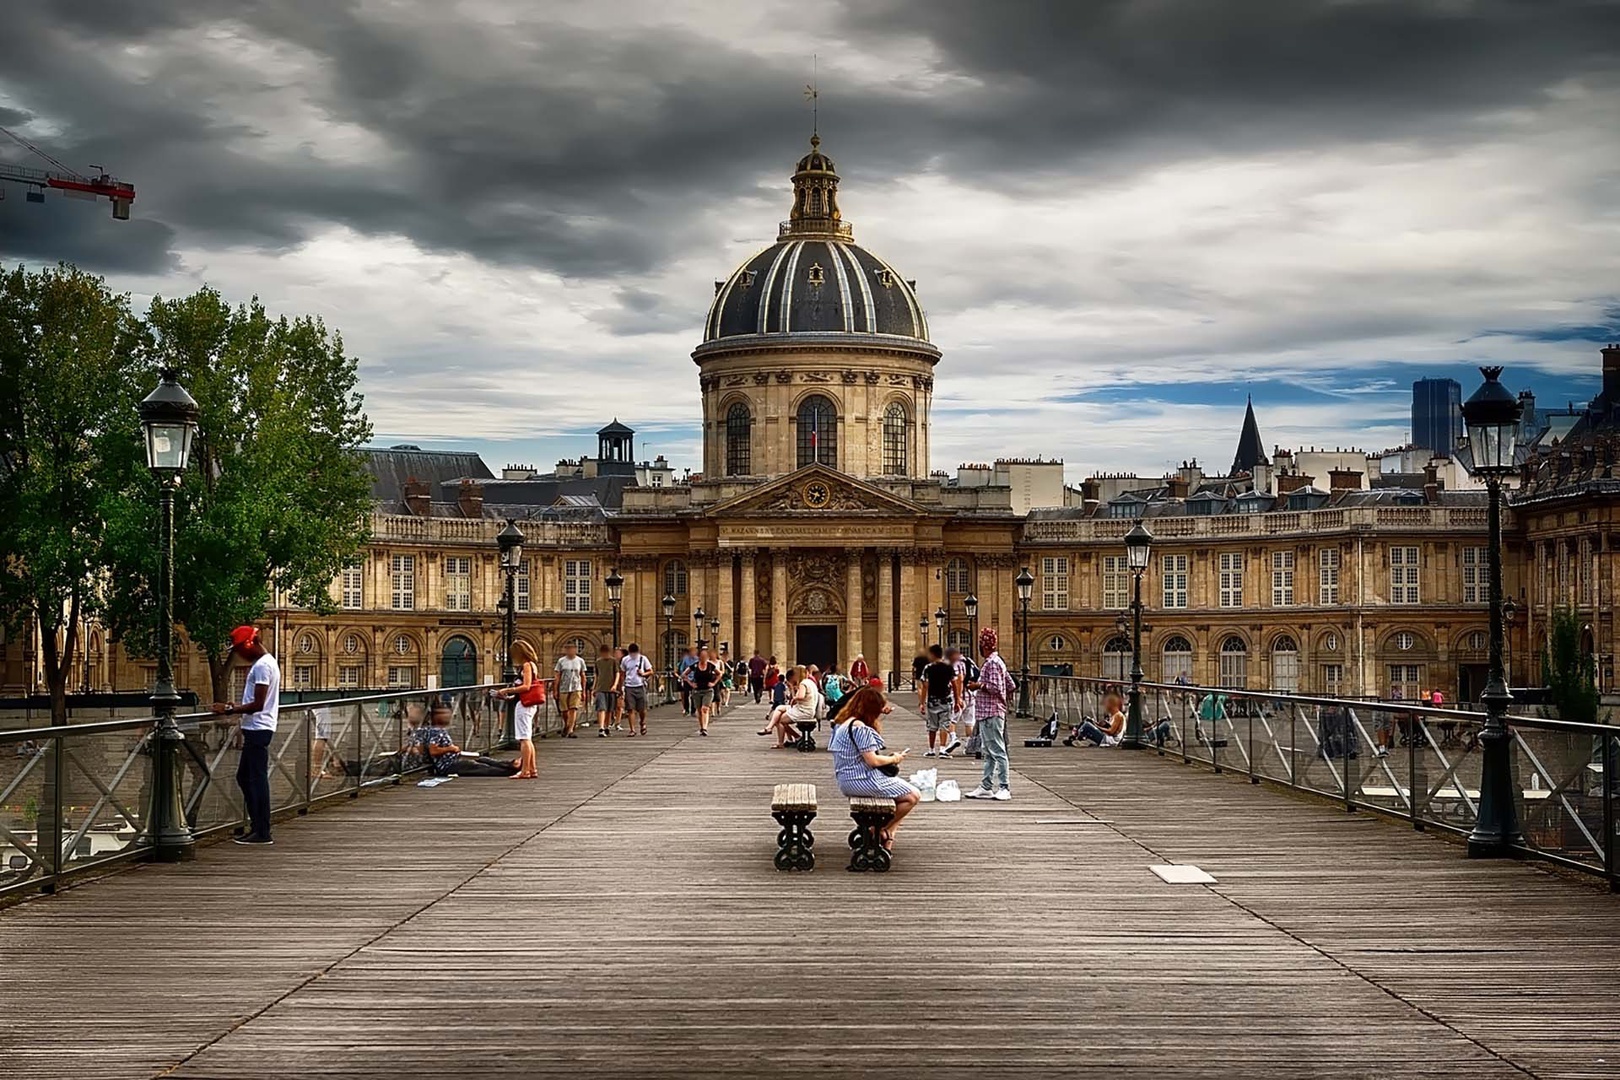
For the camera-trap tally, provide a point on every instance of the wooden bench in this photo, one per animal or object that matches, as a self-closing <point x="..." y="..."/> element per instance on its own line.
<point x="794" y="807"/>
<point x="871" y="816"/>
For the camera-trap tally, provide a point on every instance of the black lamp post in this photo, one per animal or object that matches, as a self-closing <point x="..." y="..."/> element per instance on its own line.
<point x="169" y="420"/>
<point x="669" y="647"/>
<point x="1509" y="611"/>
<point x="615" y="590"/>
<point x="697" y="617"/>
<point x="1138" y="549"/>
<point x="940" y="616"/>
<point x="714" y="632"/>
<point x="1026" y="586"/>
<point x="971" y="607"/>
<point x="1492" y="416"/>
<point x="510" y="541"/>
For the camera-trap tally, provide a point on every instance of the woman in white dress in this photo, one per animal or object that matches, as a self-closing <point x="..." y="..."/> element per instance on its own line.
<point x="523" y="715"/>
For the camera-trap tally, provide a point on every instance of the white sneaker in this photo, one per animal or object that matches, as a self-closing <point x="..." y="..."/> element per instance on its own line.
<point x="980" y="793"/>
<point x="929" y="754"/>
<point x="1003" y="795"/>
<point x="951" y="749"/>
<point x="945" y="754"/>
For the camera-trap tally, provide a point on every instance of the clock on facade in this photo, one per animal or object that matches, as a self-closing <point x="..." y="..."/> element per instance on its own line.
<point x="817" y="494"/>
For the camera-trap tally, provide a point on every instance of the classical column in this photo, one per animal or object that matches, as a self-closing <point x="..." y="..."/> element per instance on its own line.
<point x="911" y="605"/>
<point x="722" y="601"/>
<point x="885" y="662"/>
<point x="779" y="598"/>
<point x="1006" y="597"/>
<point x="852" y="609"/>
<point x="748" y="611"/>
<point x="547" y="593"/>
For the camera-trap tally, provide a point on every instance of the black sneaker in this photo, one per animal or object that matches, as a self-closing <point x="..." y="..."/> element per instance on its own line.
<point x="603" y="733"/>
<point x="256" y="840"/>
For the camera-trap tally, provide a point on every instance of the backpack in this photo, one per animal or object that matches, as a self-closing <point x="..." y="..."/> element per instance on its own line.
<point x="972" y="673"/>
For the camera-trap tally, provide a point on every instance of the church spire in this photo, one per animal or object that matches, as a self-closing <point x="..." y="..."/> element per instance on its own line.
<point x="815" y="197"/>
<point x="1250" y="450"/>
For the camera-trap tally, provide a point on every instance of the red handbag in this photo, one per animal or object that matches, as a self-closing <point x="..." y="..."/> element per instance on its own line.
<point x="534" y="695"/>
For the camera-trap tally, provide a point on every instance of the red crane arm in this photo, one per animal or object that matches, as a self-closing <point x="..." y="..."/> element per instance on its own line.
<point x="62" y="178"/>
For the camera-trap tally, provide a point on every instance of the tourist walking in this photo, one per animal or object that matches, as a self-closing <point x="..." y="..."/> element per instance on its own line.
<point x="992" y="691"/>
<point x="570" y="669"/>
<point x="606" y="681"/>
<point x="937" y="694"/>
<point x="635" y="668"/>
<point x="259" y="708"/>
<point x="705" y="678"/>
<point x="530" y="693"/>
<point x="683" y="672"/>
<point x="756" y="676"/>
<point x="860" y="760"/>
<point x="966" y="672"/>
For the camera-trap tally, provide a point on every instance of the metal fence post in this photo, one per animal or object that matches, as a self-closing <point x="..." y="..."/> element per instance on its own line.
<point x="1350" y="738"/>
<point x="359" y="750"/>
<point x="309" y="762"/>
<point x="1608" y="813"/>
<point x="1253" y="779"/>
<point x="1418" y="724"/>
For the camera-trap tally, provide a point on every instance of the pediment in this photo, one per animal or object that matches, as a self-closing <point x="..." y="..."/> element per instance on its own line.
<point x="801" y="491"/>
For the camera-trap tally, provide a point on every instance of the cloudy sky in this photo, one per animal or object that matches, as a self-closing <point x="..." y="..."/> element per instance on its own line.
<point x="1123" y="215"/>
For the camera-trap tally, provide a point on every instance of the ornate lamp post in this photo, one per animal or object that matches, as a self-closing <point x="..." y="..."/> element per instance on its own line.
<point x="1510" y="611"/>
<point x="697" y="617"/>
<point x="510" y="542"/>
<point x="1138" y="549"/>
<point x="714" y="633"/>
<point x="1025" y="581"/>
<point x="615" y="590"/>
<point x="971" y="607"/>
<point x="939" y="622"/>
<point x="669" y="647"/>
<point x="1492" y="416"/>
<point x="169" y="420"/>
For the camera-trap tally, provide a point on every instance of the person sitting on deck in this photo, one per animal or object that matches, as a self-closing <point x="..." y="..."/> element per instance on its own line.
<point x="859" y="758"/>
<point x="1105" y="732"/>
<point x="445" y="757"/>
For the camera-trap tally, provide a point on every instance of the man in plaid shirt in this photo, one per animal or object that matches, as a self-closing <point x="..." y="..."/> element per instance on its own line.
<point x="992" y="693"/>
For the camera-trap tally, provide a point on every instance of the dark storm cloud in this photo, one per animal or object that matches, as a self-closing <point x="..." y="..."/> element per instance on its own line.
<point x="600" y="153"/>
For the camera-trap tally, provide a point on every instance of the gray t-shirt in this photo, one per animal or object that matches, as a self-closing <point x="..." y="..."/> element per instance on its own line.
<point x="570" y="674"/>
<point x="636" y="669"/>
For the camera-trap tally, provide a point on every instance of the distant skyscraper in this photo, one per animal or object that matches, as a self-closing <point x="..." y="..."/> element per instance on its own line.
<point x="1437" y="414"/>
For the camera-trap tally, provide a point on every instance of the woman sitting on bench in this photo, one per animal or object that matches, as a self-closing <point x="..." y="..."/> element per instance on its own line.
<point x="445" y="757"/>
<point x="859" y="758"/>
<point x="801" y="705"/>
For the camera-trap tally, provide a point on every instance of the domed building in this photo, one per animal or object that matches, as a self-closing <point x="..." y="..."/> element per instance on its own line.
<point x="816" y="351"/>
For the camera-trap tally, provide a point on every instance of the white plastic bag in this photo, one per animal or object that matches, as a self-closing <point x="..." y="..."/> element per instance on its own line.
<point x="925" y="780"/>
<point x="948" y="791"/>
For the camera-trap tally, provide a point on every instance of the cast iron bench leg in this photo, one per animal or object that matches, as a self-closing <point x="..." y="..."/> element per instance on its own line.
<point x="866" y="840"/>
<point x="794" y="842"/>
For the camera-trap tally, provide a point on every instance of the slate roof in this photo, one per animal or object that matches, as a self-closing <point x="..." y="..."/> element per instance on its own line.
<point x="1250" y="450"/>
<point x="391" y="467"/>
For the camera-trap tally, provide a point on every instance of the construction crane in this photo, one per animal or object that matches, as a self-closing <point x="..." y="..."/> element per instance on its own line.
<point x="65" y="180"/>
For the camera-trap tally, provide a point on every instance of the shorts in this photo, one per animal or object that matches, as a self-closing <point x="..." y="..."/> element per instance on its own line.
<point x="523" y="722"/>
<point x="938" y="715"/>
<point x="605" y="700"/>
<point x="965" y="716"/>
<point x="701" y="698"/>
<point x="635" y="698"/>
<point x="570" y="699"/>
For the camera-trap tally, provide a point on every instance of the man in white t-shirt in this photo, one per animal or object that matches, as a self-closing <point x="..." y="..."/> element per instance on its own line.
<point x="259" y="708"/>
<point x="570" y="669"/>
<point x="636" y="668"/>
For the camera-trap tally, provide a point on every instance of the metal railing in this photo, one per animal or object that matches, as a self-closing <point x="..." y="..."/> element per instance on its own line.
<point x="1414" y="762"/>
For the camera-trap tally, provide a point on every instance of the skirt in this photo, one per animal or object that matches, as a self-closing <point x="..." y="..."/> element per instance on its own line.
<point x="875" y="785"/>
<point x="523" y="722"/>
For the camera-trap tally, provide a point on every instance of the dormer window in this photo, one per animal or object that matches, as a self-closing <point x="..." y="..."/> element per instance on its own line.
<point x="746" y="279"/>
<point x="886" y="278"/>
<point x="816" y="276"/>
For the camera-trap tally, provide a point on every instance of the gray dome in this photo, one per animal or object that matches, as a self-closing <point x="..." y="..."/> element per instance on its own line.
<point x="815" y="286"/>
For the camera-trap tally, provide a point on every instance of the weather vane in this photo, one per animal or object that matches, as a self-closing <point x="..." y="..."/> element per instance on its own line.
<point x="813" y="95"/>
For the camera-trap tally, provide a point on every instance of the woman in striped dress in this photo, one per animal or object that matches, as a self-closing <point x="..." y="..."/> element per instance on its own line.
<point x="857" y="751"/>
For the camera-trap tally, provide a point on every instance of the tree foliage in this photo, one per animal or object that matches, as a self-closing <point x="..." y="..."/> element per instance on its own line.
<point x="1568" y="671"/>
<point x="276" y="499"/>
<point x="69" y="366"/>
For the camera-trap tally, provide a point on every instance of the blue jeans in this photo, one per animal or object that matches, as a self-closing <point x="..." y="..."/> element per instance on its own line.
<point x="253" y="777"/>
<point x="1091" y="732"/>
<point x="992" y="731"/>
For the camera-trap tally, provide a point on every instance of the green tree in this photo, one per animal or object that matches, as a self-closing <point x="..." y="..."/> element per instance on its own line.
<point x="1568" y="671"/>
<point x="69" y="352"/>
<point x="277" y="497"/>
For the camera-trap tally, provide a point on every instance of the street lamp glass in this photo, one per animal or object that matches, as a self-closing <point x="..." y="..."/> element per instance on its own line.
<point x="1138" y="548"/>
<point x="510" y="541"/>
<point x="669" y="606"/>
<point x="1026" y="585"/>
<point x="939" y="618"/>
<point x="922" y="625"/>
<point x="698" y="617"/>
<point x="169" y="421"/>
<point x="971" y="606"/>
<point x="615" y="585"/>
<point x="1492" y="416"/>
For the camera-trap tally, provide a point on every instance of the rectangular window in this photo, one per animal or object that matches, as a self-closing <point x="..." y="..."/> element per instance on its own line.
<point x="457" y="583"/>
<point x="1285" y="671"/>
<point x="1405" y="683"/>
<point x="1332" y="679"/>
<point x="303" y="676"/>
<point x="1327" y="576"/>
<point x="1231" y="579"/>
<point x="401" y="677"/>
<point x="1282" y="579"/>
<point x="520" y="585"/>
<point x="1055" y="583"/>
<point x="1173" y="569"/>
<point x="402" y="581"/>
<point x="1116" y="583"/>
<point x="348" y="677"/>
<point x="353" y="587"/>
<point x="1476" y="586"/>
<point x="1403" y="575"/>
<point x="1585" y="573"/>
<point x="576" y="585"/>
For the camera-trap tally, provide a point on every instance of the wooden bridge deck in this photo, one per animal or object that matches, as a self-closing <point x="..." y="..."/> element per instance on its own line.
<point x="621" y="917"/>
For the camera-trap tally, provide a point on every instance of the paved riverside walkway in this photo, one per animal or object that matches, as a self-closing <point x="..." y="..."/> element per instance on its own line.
<point x="621" y="917"/>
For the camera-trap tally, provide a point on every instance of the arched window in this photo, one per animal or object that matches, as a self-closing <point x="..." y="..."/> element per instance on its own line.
<point x="1176" y="659"/>
<point x="957" y="577"/>
<point x="1234" y="670"/>
<point x="818" y="432"/>
<point x="1284" y="665"/>
<point x="739" y="440"/>
<point x="894" y="439"/>
<point x="1116" y="658"/>
<point x="675" y="578"/>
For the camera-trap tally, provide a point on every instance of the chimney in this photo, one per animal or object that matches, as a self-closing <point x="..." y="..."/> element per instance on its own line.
<point x="1431" y="484"/>
<point x="1088" y="490"/>
<point x="1088" y="507"/>
<point x="1611" y="374"/>
<point x="1344" y="480"/>
<point x="1287" y="485"/>
<point x="1176" y="486"/>
<point x="418" y="498"/>
<point x="471" y="498"/>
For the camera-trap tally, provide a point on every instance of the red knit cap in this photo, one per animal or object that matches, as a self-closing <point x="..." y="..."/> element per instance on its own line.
<point x="988" y="639"/>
